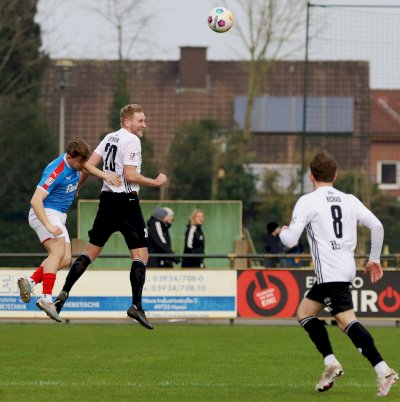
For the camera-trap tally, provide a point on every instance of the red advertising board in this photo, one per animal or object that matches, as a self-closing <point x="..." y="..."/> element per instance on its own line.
<point x="277" y="293"/>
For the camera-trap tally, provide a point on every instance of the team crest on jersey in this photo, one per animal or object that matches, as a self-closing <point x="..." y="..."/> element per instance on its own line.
<point x="132" y="156"/>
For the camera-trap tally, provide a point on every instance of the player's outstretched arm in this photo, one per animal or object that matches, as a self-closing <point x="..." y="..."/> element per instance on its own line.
<point x="90" y="168"/>
<point x="132" y="176"/>
<point x="375" y="271"/>
<point x="93" y="161"/>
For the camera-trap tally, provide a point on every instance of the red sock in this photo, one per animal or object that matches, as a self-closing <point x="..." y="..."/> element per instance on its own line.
<point x="48" y="283"/>
<point x="37" y="276"/>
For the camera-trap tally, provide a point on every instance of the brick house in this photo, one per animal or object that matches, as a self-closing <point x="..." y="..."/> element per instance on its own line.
<point x="194" y="88"/>
<point x="385" y="139"/>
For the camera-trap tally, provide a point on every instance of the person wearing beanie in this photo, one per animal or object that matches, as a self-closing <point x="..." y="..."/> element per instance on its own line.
<point x="159" y="238"/>
<point x="170" y="215"/>
<point x="271" y="227"/>
<point x="159" y="213"/>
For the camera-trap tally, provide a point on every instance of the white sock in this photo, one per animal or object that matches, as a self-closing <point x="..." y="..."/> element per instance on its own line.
<point x="330" y="359"/>
<point x="31" y="282"/>
<point x="382" y="369"/>
<point x="47" y="298"/>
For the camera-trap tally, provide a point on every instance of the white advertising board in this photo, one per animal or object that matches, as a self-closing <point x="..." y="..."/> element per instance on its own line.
<point x="102" y="293"/>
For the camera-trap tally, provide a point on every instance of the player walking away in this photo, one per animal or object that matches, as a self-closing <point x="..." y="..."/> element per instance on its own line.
<point x="119" y="208"/>
<point x="330" y="218"/>
<point x="47" y="216"/>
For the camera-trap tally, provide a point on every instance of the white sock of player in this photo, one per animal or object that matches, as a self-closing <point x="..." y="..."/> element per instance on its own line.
<point x="47" y="298"/>
<point x="382" y="369"/>
<point x="330" y="359"/>
<point x="31" y="282"/>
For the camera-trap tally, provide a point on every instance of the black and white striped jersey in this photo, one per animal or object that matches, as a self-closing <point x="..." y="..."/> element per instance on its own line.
<point x="330" y="218"/>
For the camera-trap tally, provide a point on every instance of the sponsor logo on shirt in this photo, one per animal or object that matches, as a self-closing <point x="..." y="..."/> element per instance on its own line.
<point x="340" y="246"/>
<point x="71" y="188"/>
<point x="132" y="156"/>
<point x="335" y="246"/>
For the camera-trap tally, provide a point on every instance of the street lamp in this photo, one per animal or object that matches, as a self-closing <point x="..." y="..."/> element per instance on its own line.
<point x="219" y="148"/>
<point x="64" y="72"/>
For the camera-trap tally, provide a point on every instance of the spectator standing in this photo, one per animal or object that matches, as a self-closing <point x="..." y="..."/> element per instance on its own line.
<point x="273" y="245"/>
<point x="194" y="240"/>
<point x="159" y="238"/>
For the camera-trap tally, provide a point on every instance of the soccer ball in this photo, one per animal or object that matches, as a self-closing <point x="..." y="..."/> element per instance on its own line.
<point x="220" y="19"/>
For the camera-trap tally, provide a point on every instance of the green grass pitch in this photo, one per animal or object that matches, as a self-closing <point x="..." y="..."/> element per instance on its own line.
<point x="180" y="362"/>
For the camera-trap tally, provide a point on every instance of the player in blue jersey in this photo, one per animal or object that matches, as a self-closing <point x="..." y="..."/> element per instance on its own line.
<point x="47" y="217"/>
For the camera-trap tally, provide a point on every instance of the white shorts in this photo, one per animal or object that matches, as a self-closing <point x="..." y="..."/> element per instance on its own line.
<point x="56" y="218"/>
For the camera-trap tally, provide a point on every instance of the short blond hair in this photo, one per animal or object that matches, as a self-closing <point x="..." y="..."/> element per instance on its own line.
<point x="128" y="111"/>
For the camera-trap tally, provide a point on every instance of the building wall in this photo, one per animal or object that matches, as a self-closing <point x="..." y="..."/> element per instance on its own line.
<point x="385" y="130"/>
<point x="156" y="85"/>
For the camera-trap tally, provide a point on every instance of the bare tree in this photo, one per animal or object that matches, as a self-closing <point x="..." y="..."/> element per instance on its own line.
<point x="269" y="32"/>
<point x="130" y="19"/>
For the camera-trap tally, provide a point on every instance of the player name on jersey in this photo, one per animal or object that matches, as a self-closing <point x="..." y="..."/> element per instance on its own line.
<point x="333" y="198"/>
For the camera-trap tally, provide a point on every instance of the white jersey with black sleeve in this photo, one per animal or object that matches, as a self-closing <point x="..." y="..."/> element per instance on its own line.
<point x="330" y="218"/>
<point x="119" y="149"/>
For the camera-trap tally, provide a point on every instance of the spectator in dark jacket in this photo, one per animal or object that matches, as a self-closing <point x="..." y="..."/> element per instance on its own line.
<point x="273" y="244"/>
<point x="159" y="239"/>
<point x="194" y="240"/>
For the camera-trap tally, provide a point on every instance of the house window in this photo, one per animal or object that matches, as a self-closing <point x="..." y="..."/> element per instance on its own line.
<point x="388" y="175"/>
<point x="284" y="114"/>
<point x="286" y="176"/>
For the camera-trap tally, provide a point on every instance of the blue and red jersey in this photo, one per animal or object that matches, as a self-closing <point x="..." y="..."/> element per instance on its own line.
<point x="60" y="182"/>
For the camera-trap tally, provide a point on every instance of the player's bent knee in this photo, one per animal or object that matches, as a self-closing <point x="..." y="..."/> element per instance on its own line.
<point x="342" y="325"/>
<point x="299" y="316"/>
<point x="303" y="312"/>
<point x="65" y="263"/>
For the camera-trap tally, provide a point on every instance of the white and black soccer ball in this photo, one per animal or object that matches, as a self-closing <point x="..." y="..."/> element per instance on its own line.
<point x="220" y="19"/>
